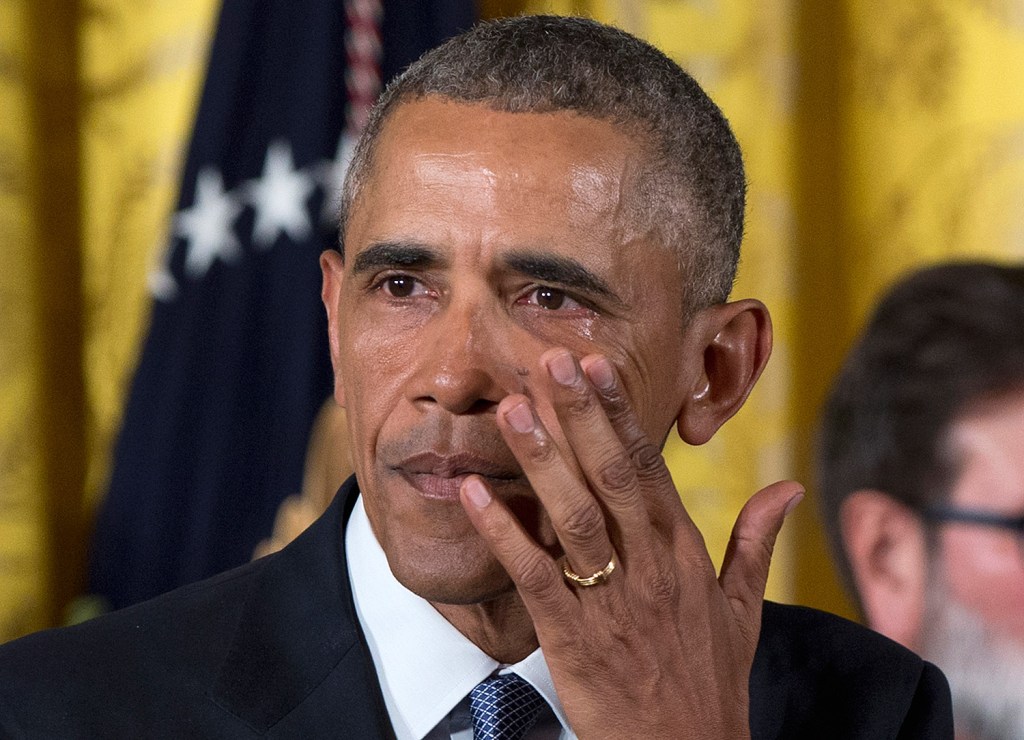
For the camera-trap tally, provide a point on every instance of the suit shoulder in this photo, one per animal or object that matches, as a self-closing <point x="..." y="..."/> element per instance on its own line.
<point x="203" y="607"/>
<point x="178" y="639"/>
<point x="827" y="671"/>
<point x="819" y="639"/>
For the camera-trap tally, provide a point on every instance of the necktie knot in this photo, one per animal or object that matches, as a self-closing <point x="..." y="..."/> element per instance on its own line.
<point x="504" y="708"/>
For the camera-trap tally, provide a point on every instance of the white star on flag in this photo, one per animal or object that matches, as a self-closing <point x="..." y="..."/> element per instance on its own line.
<point x="279" y="197"/>
<point x="207" y="224"/>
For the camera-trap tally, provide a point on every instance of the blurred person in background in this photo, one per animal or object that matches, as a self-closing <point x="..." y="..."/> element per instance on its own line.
<point x="921" y="470"/>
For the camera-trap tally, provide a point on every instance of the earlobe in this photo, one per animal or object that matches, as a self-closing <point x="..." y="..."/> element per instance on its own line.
<point x="332" y="267"/>
<point x="886" y="547"/>
<point x="733" y="342"/>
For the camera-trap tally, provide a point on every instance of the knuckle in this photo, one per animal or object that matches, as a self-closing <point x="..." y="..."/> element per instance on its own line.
<point x="583" y="403"/>
<point x="758" y="548"/>
<point x="617" y="474"/>
<point x="662" y="589"/>
<point x="616" y="402"/>
<point x="542" y="451"/>
<point x="647" y="460"/>
<point x="582" y="522"/>
<point x="621" y="412"/>
<point x="535" y="573"/>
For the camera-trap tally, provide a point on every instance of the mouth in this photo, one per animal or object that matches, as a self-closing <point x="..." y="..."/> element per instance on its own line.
<point x="439" y="476"/>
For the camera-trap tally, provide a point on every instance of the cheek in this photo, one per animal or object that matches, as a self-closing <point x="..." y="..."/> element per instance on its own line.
<point x="985" y="571"/>
<point x="374" y="367"/>
<point x="376" y="348"/>
<point x="652" y="381"/>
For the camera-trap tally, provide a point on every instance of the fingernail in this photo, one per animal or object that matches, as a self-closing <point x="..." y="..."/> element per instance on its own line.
<point x="793" y="503"/>
<point x="520" y="418"/>
<point x="562" y="368"/>
<point x="601" y="375"/>
<point x="477" y="493"/>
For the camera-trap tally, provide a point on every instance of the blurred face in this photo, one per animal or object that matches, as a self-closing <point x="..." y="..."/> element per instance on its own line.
<point x="481" y="240"/>
<point x="983" y="567"/>
<point x="974" y="622"/>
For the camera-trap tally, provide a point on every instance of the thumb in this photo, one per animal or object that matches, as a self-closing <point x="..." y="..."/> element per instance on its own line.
<point x="749" y="553"/>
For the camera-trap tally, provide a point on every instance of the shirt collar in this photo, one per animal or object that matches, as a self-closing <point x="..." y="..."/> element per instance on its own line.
<point x="425" y="666"/>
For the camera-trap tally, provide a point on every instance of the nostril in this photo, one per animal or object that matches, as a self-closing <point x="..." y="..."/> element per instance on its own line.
<point x="482" y="406"/>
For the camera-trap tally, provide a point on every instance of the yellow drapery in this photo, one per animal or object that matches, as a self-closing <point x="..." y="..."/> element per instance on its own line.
<point x="98" y="99"/>
<point x="878" y="136"/>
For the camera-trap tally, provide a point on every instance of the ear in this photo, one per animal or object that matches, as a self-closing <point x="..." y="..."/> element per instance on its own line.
<point x="886" y="546"/>
<point x="332" y="265"/>
<point x="733" y="342"/>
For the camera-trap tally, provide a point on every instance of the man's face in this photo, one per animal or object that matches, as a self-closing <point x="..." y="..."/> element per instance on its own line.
<point x="974" y="620"/>
<point x="983" y="567"/>
<point x="480" y="240"/>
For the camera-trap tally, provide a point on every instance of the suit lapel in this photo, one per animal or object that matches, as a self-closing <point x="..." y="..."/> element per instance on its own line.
<point x="298" y="659"/>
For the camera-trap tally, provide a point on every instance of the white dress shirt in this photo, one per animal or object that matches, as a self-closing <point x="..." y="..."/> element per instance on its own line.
<point x="425" y="666"/>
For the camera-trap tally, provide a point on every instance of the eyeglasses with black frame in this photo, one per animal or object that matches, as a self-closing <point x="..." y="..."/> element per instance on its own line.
<point x="946" y="514"/>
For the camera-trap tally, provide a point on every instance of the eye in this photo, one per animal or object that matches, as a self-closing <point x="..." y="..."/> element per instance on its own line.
<point x="401" y="286"/>
<point x="551" y="299"/>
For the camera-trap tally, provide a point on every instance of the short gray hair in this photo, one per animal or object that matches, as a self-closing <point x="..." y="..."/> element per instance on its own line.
<point x="693" y="193"/>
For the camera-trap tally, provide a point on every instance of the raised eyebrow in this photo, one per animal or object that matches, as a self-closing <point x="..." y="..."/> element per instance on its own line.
<point x="560" y="270"/>
<point x="394" y="254"/>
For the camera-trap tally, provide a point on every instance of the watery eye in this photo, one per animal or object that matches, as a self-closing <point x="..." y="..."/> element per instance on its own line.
<point x="549" y="298"/>
<point x="399" y="286"/>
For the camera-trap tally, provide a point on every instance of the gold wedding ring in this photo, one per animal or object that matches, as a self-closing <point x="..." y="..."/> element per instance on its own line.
<point x="577" y="580"/>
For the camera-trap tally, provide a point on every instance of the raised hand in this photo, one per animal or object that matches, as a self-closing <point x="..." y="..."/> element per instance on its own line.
<point x="659" y="646"/>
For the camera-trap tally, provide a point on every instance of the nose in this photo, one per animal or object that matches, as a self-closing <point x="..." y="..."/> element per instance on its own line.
<point x="465" y="366"/>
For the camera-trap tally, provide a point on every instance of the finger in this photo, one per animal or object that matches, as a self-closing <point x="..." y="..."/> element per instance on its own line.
<point x="610" y="471"/>
<point x="749" y="553"/>
<point x="661" y="497"/>
<point x="536" y="574"/>
<point x="575" y="514"/>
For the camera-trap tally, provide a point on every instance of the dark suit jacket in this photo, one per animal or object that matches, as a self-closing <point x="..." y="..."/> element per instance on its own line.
<point x="274" y="649"/>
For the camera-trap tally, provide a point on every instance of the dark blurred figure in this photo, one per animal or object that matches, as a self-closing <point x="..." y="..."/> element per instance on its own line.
<point x="921" y="470"/>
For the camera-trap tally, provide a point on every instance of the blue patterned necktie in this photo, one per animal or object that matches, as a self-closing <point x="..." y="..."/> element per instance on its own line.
<point x="504" y="708"/>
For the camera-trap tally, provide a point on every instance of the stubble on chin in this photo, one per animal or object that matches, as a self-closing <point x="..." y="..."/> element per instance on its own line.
<point x="458" y="587"/>
<point x="985" y="670"/>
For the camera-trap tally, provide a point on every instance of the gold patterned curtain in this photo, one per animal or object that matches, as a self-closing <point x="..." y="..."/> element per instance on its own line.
<point x="97" y="100"/>
<point x="878" y="136"/>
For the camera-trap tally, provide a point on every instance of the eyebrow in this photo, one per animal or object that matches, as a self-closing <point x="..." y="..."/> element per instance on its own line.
<point x="395" y="254"/>
<point x="560" y="270"/>
<point x="544" y="266"/>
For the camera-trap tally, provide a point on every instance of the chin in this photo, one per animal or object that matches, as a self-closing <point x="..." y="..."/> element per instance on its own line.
<point x="444" y="577"/>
